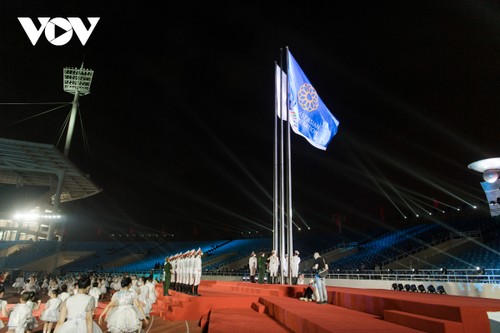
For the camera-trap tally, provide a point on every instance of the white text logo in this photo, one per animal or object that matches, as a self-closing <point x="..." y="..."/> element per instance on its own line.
<point x="49" y="26"/>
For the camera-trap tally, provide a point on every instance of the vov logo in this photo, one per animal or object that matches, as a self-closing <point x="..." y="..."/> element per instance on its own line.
<point x="68" y="26"/>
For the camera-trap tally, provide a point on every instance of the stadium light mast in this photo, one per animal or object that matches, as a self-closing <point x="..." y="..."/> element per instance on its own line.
<point x="77" y="82"/>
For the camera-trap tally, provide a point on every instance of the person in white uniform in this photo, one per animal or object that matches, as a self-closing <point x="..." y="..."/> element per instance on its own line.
<point x="294" y="266"/>
<point x="252" y="265"/>
<point x="197" y="271"/>
<point x="274" y="264"/>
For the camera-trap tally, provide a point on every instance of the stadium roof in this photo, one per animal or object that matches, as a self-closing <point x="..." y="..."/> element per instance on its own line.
<point x="25" y="163"/>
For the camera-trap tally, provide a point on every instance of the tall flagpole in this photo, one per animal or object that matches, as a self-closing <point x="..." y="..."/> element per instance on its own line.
<point x="275" y="164"/>
<point x="282" y="172"/>
<point x="289" y="191"/>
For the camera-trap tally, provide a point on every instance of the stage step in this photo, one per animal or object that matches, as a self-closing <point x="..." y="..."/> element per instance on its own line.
<point x="423" y="323"/>
<point x="259" y="307"/>
<point x="243" y="320"/>
<point x="306" y="317"/>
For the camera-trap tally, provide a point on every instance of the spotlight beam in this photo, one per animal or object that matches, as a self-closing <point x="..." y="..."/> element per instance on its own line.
<point x="365" y="169"/>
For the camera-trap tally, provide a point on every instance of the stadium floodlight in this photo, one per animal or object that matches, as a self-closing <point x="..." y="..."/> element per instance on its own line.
<point x="489" y="167"/>
<point x="77" y="82"/>
<point x="34" y="216"/>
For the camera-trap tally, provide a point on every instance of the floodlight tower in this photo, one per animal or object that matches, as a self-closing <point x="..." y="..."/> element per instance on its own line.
<point x="77" y="82"/>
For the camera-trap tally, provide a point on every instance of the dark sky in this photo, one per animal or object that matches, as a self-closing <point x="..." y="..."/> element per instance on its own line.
<point x="180" y="119"/>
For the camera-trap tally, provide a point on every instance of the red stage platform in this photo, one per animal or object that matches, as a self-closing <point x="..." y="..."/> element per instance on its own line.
<point x="246" y="307"/>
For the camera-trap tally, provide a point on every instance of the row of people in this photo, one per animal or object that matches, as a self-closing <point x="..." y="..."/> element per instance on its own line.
<point x="259" y="266"/>
<point x="182" y="272"/>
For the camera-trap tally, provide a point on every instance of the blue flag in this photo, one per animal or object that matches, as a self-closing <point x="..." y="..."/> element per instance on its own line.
<point x="309" y="117"/>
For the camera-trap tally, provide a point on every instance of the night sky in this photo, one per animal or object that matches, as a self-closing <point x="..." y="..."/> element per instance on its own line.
<point x="179" y="127"/>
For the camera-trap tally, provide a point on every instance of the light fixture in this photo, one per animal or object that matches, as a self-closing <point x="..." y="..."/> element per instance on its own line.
<point x="440" y="290"/>
<point x="431" y="289"/>
<point x="413" y="288"/>
<point x="443" y="271"/>
<point x="400" y="287"/>
<point x="480" y="270"/>
<point x="421" y="288"/>
<point x="490" y="176"/>
<point x="407" y="287"/>
<point x="76" y="82"/>
<point x="414" y="271"/>
<point x="394" y="286"/>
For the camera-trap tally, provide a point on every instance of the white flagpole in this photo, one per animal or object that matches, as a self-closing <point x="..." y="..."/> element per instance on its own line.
<point x="275" y="171"/>
<point x="282" y="173"/>
<point x="289" y="192"/>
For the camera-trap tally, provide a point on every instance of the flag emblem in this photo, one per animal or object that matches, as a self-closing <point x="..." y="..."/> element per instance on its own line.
<point x="308" y="98"/>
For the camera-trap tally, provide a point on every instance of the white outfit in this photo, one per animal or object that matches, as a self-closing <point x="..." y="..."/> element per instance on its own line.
<point x="197" y="270"/>
<point x="29" y="287"/>
<point x="32" y="323"/>
<point x="190" y="270"/>
<point x="63" y="296"/>
<point x="96" y="293"/>
<point x="19" y="283"/>
<point x="104" y="288"/>
<point x="51" y="310"/>
<point x="294" y="265"/>
<point x="19" y="318"/>
<point x="285" y="266"/>
<point x="77" y="307"/>
<point x="144" y="299"/>
<point x="125" y="317"/>
<point x="274" y="264"/>
<point x="3" y="305"/>
<point x="152" y="291"/>
<point x="172" y="275"/>
<point x="252" y="264"/>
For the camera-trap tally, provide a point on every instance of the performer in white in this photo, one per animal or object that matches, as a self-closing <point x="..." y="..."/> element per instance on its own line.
<point x="252" y="264"/>
<point x="294" y="266"/>
<point x="285" y="268"/>
<point x="177" y="271"/>
<point x="182" y="271"/>
<point x="274" y="264"/>
<point x="197" y="271"/>
<point x="190" y="272"/>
